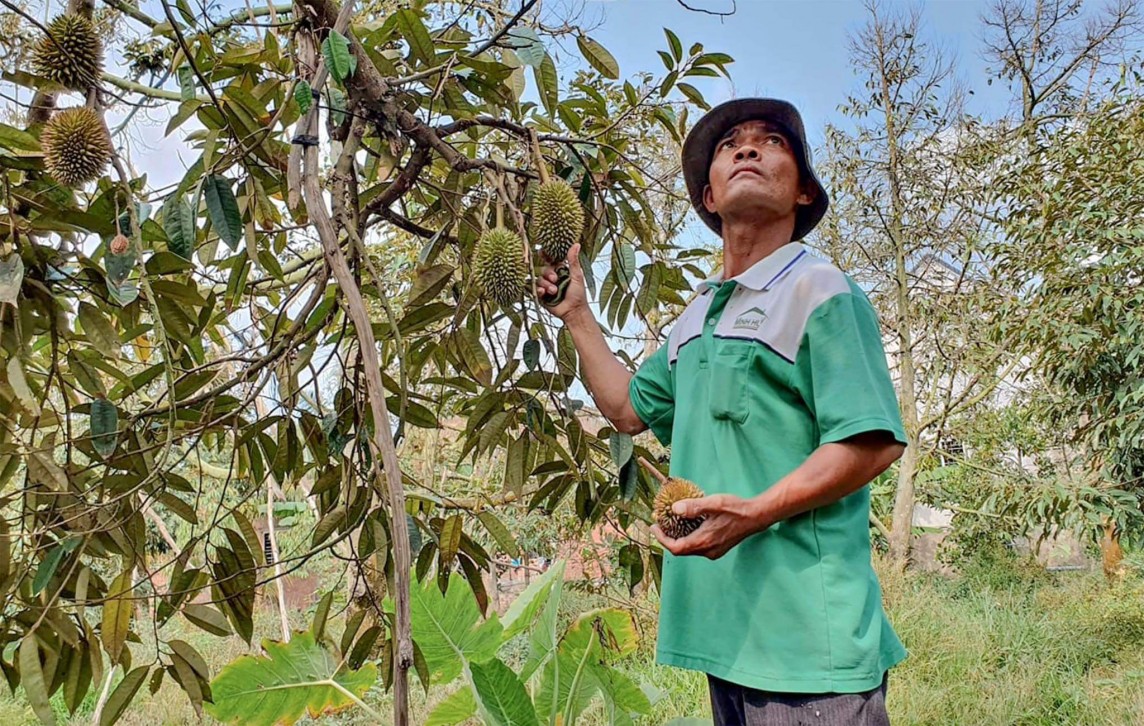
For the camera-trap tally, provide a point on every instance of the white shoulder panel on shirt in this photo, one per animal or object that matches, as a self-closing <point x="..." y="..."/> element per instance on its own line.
<point x="777" y="316"/>
<point x="689" y="326"/>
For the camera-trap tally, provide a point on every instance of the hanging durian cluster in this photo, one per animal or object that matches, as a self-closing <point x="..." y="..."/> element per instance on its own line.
<point x="500" y="265"/>
<point x="76" y="146"/>
<point x="670" y="492"/>
<point x="70" y="54"/>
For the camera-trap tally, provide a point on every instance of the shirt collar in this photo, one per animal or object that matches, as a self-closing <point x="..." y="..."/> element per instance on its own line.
<point x="765" y="272"/>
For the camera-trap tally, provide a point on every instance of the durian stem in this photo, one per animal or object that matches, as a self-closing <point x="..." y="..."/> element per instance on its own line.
<point x="653" y="471"/>
<point x="538" y="159"/>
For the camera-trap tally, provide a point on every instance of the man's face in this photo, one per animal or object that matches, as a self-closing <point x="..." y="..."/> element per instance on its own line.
<point x="754" y="175"/>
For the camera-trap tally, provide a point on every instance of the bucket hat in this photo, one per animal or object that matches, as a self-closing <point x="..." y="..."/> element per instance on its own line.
<point x="699" y="146"/>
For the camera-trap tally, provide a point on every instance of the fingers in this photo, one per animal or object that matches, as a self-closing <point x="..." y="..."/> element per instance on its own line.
<point x="691" y="508"/>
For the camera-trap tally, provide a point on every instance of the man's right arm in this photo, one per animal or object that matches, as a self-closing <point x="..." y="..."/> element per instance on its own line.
<point x="608" y="380"/>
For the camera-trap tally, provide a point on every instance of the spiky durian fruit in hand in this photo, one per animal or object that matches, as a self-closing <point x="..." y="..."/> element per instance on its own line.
<point x="76" y="146"/>
<point x="557" y="219"/>
<point x="71" y="53"/>
<point x="673" y="490"/>
<point x="499" y="266"/>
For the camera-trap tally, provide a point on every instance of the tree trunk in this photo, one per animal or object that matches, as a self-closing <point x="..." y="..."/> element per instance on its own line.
<point x="901" y="535"/>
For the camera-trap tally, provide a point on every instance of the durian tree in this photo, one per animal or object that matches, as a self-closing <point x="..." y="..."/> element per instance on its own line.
<point x="347" y="257"/>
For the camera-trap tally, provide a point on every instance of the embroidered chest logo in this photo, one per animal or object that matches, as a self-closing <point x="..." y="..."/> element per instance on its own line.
<point x="750" y="319"/>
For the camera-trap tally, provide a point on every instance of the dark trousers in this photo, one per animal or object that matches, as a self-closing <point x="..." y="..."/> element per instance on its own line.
<point x="734" y="705"/>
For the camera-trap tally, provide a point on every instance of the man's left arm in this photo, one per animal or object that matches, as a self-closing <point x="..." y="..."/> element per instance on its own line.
<point x="842" y="376"/>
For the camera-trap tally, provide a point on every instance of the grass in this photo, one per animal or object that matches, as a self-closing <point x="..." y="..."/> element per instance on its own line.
<point x="999" y="644"/>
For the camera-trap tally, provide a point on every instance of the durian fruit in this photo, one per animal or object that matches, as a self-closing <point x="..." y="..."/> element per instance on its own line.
<point x="71" y="54"/>
<point x="119" y="244"/>
<point x="670" y="492"/>
<point x="499" y="267"/>
<point x="557" y="219"/>
<point x="76" y="146"/>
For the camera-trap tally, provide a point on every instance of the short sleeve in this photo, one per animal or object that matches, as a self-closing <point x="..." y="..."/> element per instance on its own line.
<point x="652" y="393"/>
<point x="842" y="374"/>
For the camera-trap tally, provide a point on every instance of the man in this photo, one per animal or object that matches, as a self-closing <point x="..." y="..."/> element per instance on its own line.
<point x="774" y="393"/>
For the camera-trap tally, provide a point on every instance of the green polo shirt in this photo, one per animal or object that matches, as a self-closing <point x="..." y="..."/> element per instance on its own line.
<point x="758" y="372"/>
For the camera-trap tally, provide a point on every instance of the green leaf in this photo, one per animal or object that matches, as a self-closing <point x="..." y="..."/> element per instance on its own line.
<point x="186" y="82"/>
<point x="626" y="262"/>
<point x="629" y="479"/>
<point x="327" y="525"/>
<point x="32" y="678"/>
<point x="501" y="695"/>
<point x="676" y="46"/>
<point x="11" y="277"/>
<point x="413" y="30"/>
<point x="528" y="46"/>
<point x="339" y="59"/>
<point x="598" y="57"/>
<point x="293" y="678"/>
<point x="51" y="563"/>
<point x="207" y="618"/>
<point x="99" y="331"/>
<point x="121" y="697"/>
<point x="222" y="208"/>
<point x="620" y="445"/>
<point x="446" y="628"/>
<point x="531" y="353"/>
<point x="124" y="293"/>
<point x="524" y="609"/>
<point x="117" y="615"/>
<point x="179" y="225"/>
<point x="692" y="94"/>
<point x="450" y="541"/>
<point x="104" y="426"/>
<point x="499" y="532"/>
<point x="43" y="469"/>
<point x="337" y="105"/>
<point x="457" y="708"/>
<point x="547" y="82"/>
<point x="303" y="96"/>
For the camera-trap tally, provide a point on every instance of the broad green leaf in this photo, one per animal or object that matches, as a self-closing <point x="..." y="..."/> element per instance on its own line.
<point x="104" y="426"/>
<point x="179" y="225"/>
<point x="532" y="353"/>
<point x="121" y="697"/>
<point x="337" y="103"/>
<point x="11" y="277"/>
<point x="620" y="445"/>
<point x="292" y="679"/>
<point x="119" y="266"/>
<point x="20" y="387"/>
<point x="524" y="609"/>
<point x="413" y="30"/>
<point x="124" y="293"/>
<point x="32" y="678"/>
<point x="622" y="694"/>
<point x="501" y="695"/>
<point x="327" y="525"/>
<point x="98" y="330"/>
<point x="222" y="208"/>
<point x="457" y="708"/>
<point x="446" y="627"/>
<point x="117" y="615"/>
<point x="544" y="639"/>
<point x="599" y="57"/>
<point x="318" y="626"/>
<point x="339" y="59"/>
<point x="629" y="480"/>
<point x="303" y="96"/>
